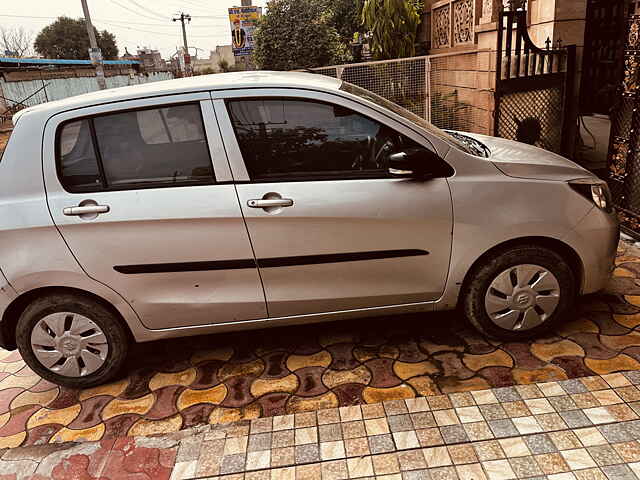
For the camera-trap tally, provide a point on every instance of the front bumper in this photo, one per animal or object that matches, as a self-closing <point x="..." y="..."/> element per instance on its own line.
<point x="7" y="295"/>
<point x="596" y="239"/>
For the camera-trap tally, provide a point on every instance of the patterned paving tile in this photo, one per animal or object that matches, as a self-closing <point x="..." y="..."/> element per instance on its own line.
<point x="293" y="370"/>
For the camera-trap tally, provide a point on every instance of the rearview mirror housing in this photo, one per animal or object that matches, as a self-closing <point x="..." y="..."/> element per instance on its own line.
<point x="418" y="163"/>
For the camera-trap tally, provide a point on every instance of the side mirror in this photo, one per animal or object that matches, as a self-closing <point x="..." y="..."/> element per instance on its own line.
<point x="418" y="163"/>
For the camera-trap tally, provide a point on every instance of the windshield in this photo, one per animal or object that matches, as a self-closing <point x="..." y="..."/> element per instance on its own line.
<point x="406" y="114"/>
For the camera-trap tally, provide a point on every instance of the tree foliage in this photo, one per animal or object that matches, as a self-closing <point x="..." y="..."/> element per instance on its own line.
<point x="16" y="41"/>
<point x="296" y="34"/>
<point x="68" y="38"/>
<point x="345" y="17"/>
<point x="393" y="25"/>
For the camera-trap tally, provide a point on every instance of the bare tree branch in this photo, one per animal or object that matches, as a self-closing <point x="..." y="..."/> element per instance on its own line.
<point x="17" y="41"/>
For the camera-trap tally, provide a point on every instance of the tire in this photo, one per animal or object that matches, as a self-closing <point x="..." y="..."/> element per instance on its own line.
<point x="90" y="331"/>
<point x="479" y="294"/>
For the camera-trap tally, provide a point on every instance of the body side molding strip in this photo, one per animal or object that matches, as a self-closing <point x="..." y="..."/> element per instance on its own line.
<point x="266" y="262"/>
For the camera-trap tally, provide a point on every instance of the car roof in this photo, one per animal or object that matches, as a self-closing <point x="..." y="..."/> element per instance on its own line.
<point x="219" y="81"/>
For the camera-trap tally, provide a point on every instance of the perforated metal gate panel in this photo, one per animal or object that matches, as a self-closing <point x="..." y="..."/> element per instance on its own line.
<point x="544" y="105"/>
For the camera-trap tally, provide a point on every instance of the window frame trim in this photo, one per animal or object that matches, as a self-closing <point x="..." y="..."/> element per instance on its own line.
<point x="133" y="106"/>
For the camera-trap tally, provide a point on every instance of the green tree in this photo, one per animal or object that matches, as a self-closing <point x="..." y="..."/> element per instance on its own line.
<point x="67" y="38"/>
<point x="345" y="17"/>
<point x="393" y="25"/>
<point x="296" y="34"/>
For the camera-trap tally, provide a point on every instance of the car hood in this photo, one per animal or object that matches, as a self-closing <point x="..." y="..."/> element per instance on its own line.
<point x="520" y="160"/>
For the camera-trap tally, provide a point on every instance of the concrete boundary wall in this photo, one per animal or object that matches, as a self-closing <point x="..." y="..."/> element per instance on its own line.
<point x="59" y="88"/>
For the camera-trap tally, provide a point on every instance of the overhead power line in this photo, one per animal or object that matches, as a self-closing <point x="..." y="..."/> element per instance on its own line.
<point x="192" y="4"/>
<point x="136" y="29"/>
<point x="198" y="4"/>
<point x="107" y="22"/>
<point x="124" y="22"/>
<point x="24" y="16"/>
<point x="112" y="20"/>
<point x="210" y="25"/>
<point x="145" y="9"/>
<point x="124" y="7"/>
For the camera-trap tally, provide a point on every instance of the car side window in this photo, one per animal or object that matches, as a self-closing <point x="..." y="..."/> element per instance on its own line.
<point x="156" y="147"/>
<point x="290" y="139"/>
<point x="164" y="145"/>
<point x="77" y="158"/>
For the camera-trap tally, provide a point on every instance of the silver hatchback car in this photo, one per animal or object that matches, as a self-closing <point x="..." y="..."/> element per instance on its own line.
<point x="255" y="199"/>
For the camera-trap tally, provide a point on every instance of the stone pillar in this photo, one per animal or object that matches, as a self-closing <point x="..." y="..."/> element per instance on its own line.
<point x="487" y="38"/>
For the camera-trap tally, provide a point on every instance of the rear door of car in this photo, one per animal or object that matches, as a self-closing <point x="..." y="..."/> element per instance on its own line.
<point x="141" y="192"/>
<point x="331" y="229"/>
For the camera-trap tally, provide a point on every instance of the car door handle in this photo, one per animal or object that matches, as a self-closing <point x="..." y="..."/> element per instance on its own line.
<point x="86" y="209"/>
<point x="275" y="202"/>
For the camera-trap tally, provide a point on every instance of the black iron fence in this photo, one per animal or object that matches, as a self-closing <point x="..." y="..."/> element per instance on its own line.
<point x="534" y="94"/>
<point x="624" y="148"/>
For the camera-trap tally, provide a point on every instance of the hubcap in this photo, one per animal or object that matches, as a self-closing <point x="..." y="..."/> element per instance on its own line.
<point x="69" y="344"/>
<point x="522" y="297"/>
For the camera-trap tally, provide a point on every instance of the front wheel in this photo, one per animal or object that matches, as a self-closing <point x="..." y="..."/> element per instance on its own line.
<point x="519" y="293"/>
<point x="71" y="340"/>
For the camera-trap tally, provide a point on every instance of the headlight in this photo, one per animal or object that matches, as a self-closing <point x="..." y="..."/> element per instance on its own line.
<point x="594" y="190"/>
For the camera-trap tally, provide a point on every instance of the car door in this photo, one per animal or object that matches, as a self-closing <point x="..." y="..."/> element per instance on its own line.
<point x="331" y="229"/>
<point x="133" y="191"/>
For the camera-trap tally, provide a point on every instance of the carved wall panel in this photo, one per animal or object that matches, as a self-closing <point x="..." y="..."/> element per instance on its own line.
<point x="441" y="27"/>
<point x="490" y="10"/>
<point x="463" y="22"/>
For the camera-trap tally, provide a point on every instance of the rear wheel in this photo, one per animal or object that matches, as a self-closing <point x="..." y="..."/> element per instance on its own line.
<point x="520" y="292"/>
<point x="71" y="340"/>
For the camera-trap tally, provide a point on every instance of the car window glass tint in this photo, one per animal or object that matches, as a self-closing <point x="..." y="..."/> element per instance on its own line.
<point x="162" y="125"/>
<point x="164" y="146"/>
<point x="299" y="138"/>
<point x="78" y="163"/>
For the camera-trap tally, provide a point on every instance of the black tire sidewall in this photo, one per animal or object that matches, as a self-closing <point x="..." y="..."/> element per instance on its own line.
<point x="475" y="291"/>
<point x="105" y="319"/>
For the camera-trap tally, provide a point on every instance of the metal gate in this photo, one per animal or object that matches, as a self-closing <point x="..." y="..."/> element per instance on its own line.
<point x="603" y="53"/>
<point x="624" y="148"/>
<point x="534" y="88"/>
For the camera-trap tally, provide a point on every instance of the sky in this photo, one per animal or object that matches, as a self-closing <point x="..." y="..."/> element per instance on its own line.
<point x="135" y="23"/>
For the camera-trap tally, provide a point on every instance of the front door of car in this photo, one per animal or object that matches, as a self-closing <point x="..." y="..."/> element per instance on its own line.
<point x="141" y="193"/>
<point x="330" y="228"/>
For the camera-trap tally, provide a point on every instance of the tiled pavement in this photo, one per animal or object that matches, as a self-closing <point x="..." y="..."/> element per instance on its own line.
<point x="181" y="383"/>
<point x="584" y="429"/>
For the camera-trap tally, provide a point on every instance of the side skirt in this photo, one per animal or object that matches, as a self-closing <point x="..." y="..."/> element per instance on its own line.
<point x="151" y="335"/>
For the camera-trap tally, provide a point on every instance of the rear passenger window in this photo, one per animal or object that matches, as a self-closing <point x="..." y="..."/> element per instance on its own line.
<point x="171" y="125"/>
<point x="78" y="163"/>
<point x="137" y="148"/>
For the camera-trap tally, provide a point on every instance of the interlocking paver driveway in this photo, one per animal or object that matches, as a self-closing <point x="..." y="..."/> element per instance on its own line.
<point x="177" y="384"/>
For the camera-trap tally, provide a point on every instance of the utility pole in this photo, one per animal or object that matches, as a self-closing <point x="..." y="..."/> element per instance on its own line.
<point x="185" y="16"/>
<point x="95" y="54"/>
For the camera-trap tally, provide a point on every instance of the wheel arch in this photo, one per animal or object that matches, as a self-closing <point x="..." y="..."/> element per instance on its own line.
<point x="19" y="304"/>
<point x="558" y="246"/>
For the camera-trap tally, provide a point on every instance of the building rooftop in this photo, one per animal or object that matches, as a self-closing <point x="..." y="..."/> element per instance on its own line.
<point x="61" y="61"/>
